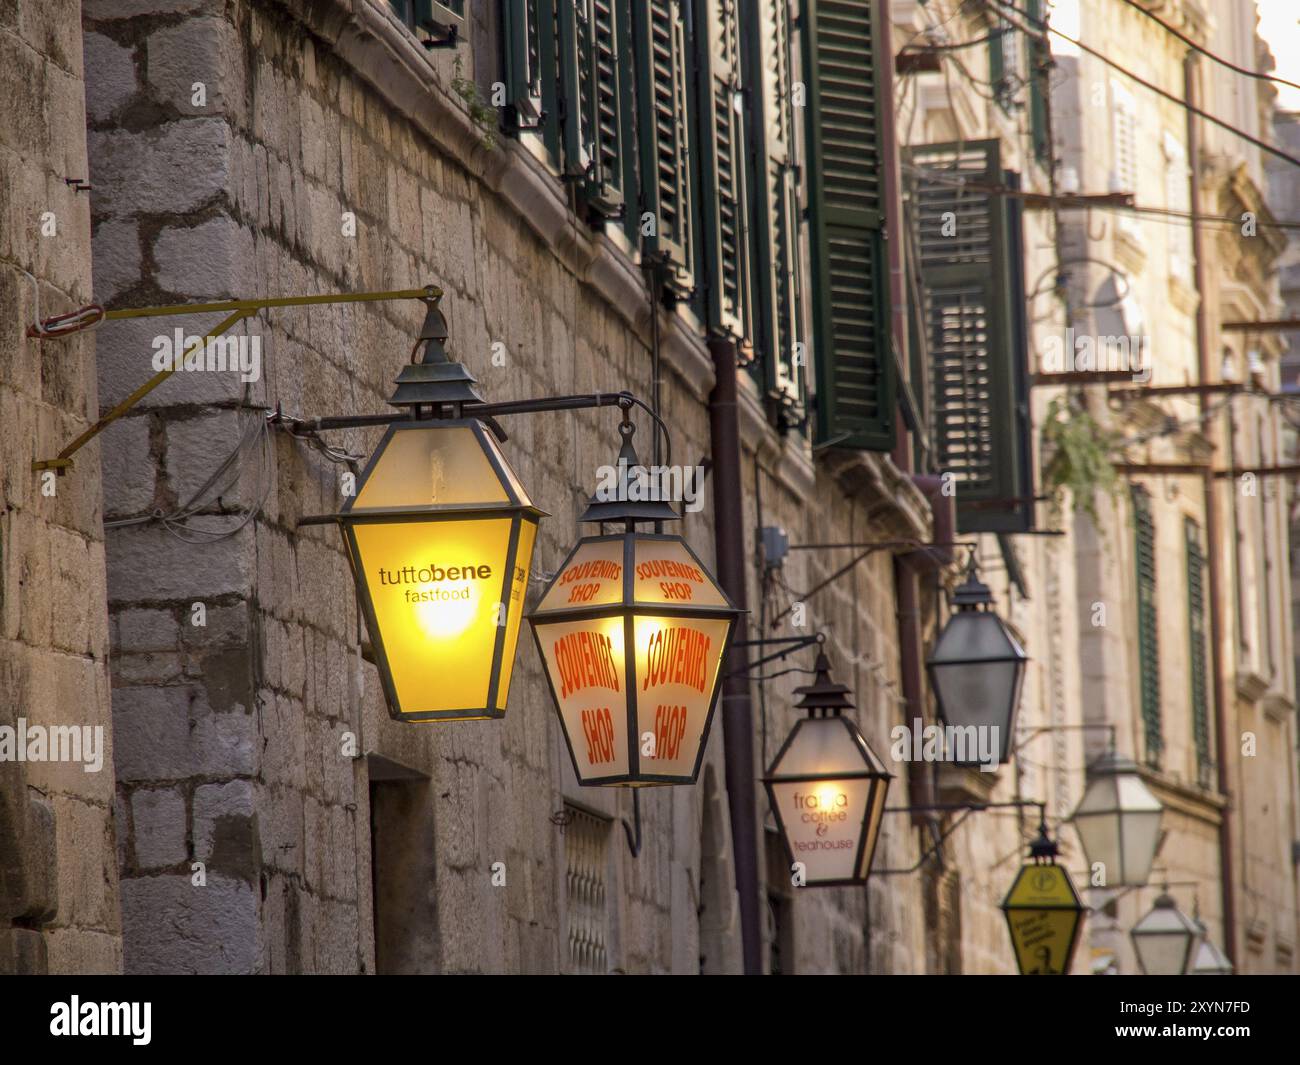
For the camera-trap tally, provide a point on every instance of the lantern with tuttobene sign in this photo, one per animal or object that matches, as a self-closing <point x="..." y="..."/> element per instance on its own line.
<point x="440" y="535"/>
<point x="632" y="632"/>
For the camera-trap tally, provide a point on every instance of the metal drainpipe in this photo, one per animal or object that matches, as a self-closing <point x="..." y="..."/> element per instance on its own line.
<point x="1213" y="535"/>
<point x="737" y="713"/>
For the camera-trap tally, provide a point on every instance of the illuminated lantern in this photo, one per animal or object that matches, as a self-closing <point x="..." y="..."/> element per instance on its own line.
<point x="440" y="537"/>
<point x="632" y="633"/>
<point x="1043" y="913"/>
<point x="1118" y="821"/>
<point x="827" y="788"/>
<point x="1165" y="940"/>
<point x="976" y="670"/>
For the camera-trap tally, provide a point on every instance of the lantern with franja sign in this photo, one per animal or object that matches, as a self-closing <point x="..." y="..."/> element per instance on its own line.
<point x="632" y="633"/>
<point x="440" y="535"/>
<point x="827" y="788"/>
<point x="1043" y="912"/>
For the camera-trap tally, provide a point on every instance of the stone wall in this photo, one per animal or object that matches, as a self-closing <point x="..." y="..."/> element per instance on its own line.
<point x="234" y="759"/>
<point x="58" y="868"/>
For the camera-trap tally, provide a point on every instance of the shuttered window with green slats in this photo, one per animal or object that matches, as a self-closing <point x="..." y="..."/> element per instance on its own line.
<point x="1040" y="58"/>
<point x="721" y="140"/>
<point x="856" y="377"/>
<point x="663" y="131"/>
<point x="1148" y="649"/>
<point x="532" y="73"/>
<point x="596" y="107"/>
<point x="971" y="264"/>
<point x="780" y="363"/>
<point x="1198" y="666"/>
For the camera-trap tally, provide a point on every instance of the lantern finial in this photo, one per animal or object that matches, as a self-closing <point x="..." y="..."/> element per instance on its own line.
<point x="436" y="379"/>
<point x="634" y="496"/>
<point x="823" y="693"/>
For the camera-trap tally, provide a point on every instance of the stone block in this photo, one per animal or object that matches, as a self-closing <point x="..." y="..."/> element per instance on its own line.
<point x="175" y="168"/>
<point x="160" y="824"/>
<point x="201" y="50"/>
<point x="173" y="927"/>
<point x="111" y="79"/>
<point x="171" y="733"/>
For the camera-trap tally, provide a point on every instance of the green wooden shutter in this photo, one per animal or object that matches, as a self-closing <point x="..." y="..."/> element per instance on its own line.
<point x="972" y="268"/>
<point x="1197" y="662"/>
<point x="1147" y="623"/>
<point x="532" y="70"/>
<point x="596" y="102"/>
<point x="1040" y="59"/>
<point x="856" y="377"/>
<point x="663" y="124"/>
<point x="721" y="140"/>
<point x="780" y="363"/>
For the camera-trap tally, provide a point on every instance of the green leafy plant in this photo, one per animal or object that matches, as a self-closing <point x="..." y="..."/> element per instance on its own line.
<point x="483" y="115"/>
<point x="1080" y="461"/>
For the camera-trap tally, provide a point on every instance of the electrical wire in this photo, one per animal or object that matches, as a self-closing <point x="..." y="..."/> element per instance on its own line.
<point x="1260" y="75"/>
<point x="1046" y="29"/>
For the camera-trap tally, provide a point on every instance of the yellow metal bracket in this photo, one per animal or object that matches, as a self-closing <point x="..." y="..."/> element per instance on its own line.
<point x="236" y="310"/>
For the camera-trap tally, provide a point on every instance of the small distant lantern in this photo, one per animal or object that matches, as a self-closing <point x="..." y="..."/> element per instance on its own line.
<point x="1165" y="940"/>
<point x="632" y="633"/>
<point x="1209" y="959"/>
<point x="440" y="538"/>
<point x="1118" y="821"/>
<point x="976" y="670"/>
<point x="1043" y="913"/>
<point x="827" y="788"/>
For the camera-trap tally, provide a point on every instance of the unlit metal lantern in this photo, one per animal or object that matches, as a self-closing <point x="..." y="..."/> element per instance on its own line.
<point x="977" y="669"/>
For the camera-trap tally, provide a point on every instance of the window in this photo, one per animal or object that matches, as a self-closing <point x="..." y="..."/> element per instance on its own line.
<point x="1006" y="64"/>
<point x="971" y="261"/>
<point x="1124" y="167"/>
<point x="774" y="220"/>
<point x="1148" y="649"/>
<point x="1040" y="61"/>
<point x="667" y="213"/>
<point x="436" y="19"/>
<point x="720" y="135"/>
<point x="856" y="377"/>
<point x="1197" y="663"/>
<point x="1177" y="198"/>
<point x="586" y="865"/>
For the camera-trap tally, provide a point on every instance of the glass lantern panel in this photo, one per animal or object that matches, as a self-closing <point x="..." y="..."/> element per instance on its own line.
<point x="974" y="634"/>
<point x="514" y="611"/>
<point x="823" y="822"/>
<point x="822" y="746"/>
<point x="667" y="573"/>
<point x="435" y="588"/>
<point x="585" y="661"/>
<point x="1141" y="834"/>
<point x="435" y="466"/>
<point x="592" y="576"/>
<point x="1162" y="953"/>
<point x="677" y="668"/>
<point x="981" y="694"/>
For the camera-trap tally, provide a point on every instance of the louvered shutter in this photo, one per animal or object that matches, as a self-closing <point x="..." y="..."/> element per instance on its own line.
<point x="856" y="378"/>
<point x="722" y="167"/>
<point x="1147" y="623"/>
<point x="663" y="124"/>
<point x="596" y="101"/>
<point x="532" y="70"/>
<point x="971" y="262"/>
<point x="774" y="208"/>
<point x="1197" y="663"/>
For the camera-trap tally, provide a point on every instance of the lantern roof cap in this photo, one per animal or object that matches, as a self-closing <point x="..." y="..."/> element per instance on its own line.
<point x="624" y="503"/>
<point x="1044" y="847"/>
<point x="972" y="593"/>
<point x="823" y="693"/>
<point x="436" y="379"/>
<point x="1112" y="763"/>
